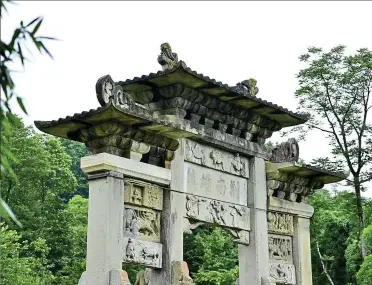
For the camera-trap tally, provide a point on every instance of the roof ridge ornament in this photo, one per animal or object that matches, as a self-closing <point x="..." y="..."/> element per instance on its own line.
<point x="247" y="87"/>
<point x="167" y="59"/>
<point x="107" y="90"/>
<point x="286" y="152"/>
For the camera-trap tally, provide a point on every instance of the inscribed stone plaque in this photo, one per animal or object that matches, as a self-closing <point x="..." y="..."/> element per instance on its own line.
<point x="216" y="158"/>
<point x="142" y="252"/>
<point x="215" y="184"/>
<point x="283" y="273"/>
<point x="280" y="249"/>
<point x="140" y="193"/>
<point x="280" y="223"/>
<point x="141" y="223"/>
<point x="216" y="212"/>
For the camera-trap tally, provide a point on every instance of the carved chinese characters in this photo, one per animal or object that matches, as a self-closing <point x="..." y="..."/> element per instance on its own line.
<point x="280" y="223"/>
<point x="216" y="159"/>
<point x="143" y="194"/>
<point x="142" y="252"/>
<point x="216" y="212"/>
<point x="215" y="184"/>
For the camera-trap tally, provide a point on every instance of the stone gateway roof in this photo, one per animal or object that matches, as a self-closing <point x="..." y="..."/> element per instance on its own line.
<point x="180" y="74"/>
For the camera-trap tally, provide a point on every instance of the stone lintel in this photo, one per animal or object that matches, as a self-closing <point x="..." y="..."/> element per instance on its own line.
<point x="130" y="168"/>
<point x="299" y="209"/>
<point x="105" y="174"/>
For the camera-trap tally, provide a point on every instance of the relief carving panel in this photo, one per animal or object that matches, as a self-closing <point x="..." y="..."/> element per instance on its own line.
<point x="215" y="184"/>
<point x="142" y="252"/>
<point x="216" y="159"/>
<point x="280" y="223"/>
<point x="280" y="248"/>
<point x="216" y="212"/>
<point x="140" y="193"/>
<point x="283" y="273"/>
<point x="141" y="223"/>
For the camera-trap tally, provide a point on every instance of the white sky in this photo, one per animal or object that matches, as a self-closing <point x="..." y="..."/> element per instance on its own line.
<point x="228" y="41"/>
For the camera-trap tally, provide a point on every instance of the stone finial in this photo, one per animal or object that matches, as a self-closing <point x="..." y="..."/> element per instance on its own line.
<point x="247" y="87"/>
<point x="180" y="274"/>
<point x="167" y="58"/>
<point x="107" y="91"/>
<point x="286" y="152"/>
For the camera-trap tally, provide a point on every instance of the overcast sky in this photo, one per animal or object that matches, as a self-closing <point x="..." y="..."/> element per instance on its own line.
<point x="228" y="41"/>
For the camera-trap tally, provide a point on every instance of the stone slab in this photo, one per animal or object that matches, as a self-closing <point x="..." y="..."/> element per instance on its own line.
<point x="215" y="184"/>
<point x="130" y="168"/>
<point x="217" y="159"/>
<point x="142" y="252"/>
<point x="141" y="223"/>
<point x="143" y="194"/>
<point x="280" y="223"/>
<point x="299" y="209"/>
<point x="216" y="212"/>
<point x="283" y="273"/>
<point x="280" y="249"/>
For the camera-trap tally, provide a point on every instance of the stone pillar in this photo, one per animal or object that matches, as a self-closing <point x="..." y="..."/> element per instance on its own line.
<point x="302" y="254"/>
<point x="172" y="220"/>
<point x="253" y="259"/>
<point x="105" y="226"/>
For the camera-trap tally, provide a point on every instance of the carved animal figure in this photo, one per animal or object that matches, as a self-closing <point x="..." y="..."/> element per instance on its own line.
<point x="247" y="87"/>
<point x="167" y="59"/>
<point x="145" y="254"/>
<point x="217" y="159"/>
<point x="238" y="164"/>
<point x="198" y="153"/>
<point x="148" y="219"/>
<point x="286" y="152"/>
<point x="131" y="221"/>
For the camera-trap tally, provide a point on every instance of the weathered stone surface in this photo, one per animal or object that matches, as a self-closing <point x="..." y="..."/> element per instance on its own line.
<point x="180" y="274"/>
<point x="142" y="252"/>
<point x="280" y="248"/>
<point x="247" y="87"/>
<point x="144" y="194"/>
<point x="215" y="184"/>
<point x="167" y="59"/>
<point x="280" y="223"/>
<point x="286" y="152"/>
<point x="216" y="212"/>
<point x="283" y="273"/>
<point x="143" y="277"/>
<point x="268" y="281"/>
<point x="119" y="277"/>
<point x="141" y="223"/>
<point x="216" y="159"/>
<point x="83" y="279"/>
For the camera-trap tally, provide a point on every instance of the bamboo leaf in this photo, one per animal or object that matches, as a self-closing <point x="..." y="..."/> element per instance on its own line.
<point x="7" y="213"/>
<point x="36" y="27"/>
<point x="20" y="103"/>
<point x="33" y="21"/>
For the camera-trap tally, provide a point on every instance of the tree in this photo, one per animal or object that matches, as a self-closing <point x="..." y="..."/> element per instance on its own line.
<point x="11" y="53"/>
<point x="335" y="91"/>
<point x="201" y="250"/>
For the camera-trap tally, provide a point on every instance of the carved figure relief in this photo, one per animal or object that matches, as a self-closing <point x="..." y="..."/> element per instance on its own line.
<point x="215" y="158"/>
<point x="280" y="223"/>
<point x="206" y="182"/>
<point x="142" y="252"/>
<point x="217" y="212"/>
<point x="280" y="248"/>
<point x="221" y="186"/>
<point x="167" y="59"/>
<point x="142" y="223"/>
<point x="143" y="194"/>
<point x="238" y="165"/>
<point x="282" y="273"/>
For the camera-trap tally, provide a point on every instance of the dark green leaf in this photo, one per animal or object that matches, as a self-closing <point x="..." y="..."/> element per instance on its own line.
<point x="33" y="21"/>
<point x="20" y="102"/>
<point x="21" y="55"/>
<point x="36" y="27"/>
<point x="46" y="50"/>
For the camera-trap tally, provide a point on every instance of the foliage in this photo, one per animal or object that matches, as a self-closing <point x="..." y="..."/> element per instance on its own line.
<point x="17" y="266"/>
<point x="364" y="275"/>
<point x="11" y="53"/>
<point x="335" y="92"/>
<point x="201" y="250"/>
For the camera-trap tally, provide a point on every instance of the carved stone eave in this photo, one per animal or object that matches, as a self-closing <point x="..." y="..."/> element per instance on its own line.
<point x="294" y="182"/>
